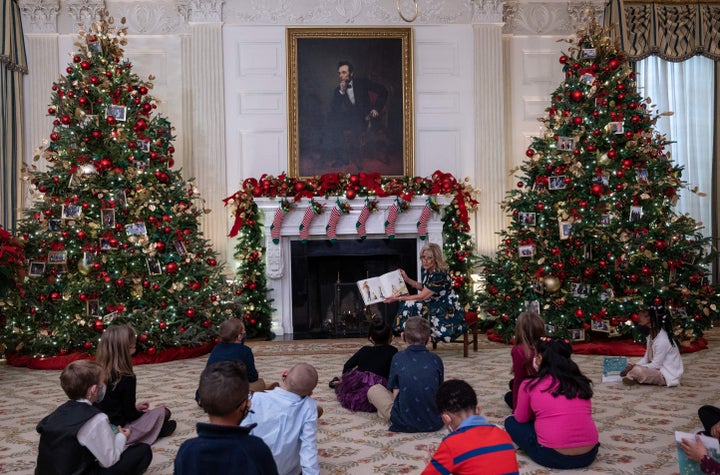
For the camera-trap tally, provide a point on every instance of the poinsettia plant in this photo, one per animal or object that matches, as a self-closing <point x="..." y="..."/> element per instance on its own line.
<point x="12" y="261"/>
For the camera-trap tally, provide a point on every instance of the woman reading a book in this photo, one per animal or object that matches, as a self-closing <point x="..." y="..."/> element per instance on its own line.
<point x="436" y="301"/>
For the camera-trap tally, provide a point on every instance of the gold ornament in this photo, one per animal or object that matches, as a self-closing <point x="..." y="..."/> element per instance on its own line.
<point x="552" y="283"/>
<point x="83" y="267"/>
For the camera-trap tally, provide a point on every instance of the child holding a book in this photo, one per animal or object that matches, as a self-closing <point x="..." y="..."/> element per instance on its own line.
<point x="370" y="365"/>
<point x="697" y="452"/>
<point x="528" y="330"/>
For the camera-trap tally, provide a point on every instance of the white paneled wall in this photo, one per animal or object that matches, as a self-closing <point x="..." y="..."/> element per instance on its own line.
<point x="482" y="76"/>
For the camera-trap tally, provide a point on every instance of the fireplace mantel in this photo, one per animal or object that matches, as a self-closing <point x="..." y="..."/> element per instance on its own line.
<point x="277" y="257"/>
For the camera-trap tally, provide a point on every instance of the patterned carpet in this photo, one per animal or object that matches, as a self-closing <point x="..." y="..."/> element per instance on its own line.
<point x="636" y="423"/>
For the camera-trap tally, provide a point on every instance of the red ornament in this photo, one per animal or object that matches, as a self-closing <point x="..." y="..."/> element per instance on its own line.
<point x="160" y="246"/>
<point x="563" y="59"/>
<point x="85" y="65"/>
<point x="540" y="206"/>
<point x="162" y="325"/>
<point x="577" y="120"/>
<point x="576" y="95"/>
<point x="190" y="313"/>
<point x="614" y="63"/>
<point x="206" y="323"/>
<point x="579" y="313"/>
<point x="151" y="351"/>
<point x="99" y="327"/>
<point x="87" y="345"/>
<point x="143" y="338"/>
<point x="350" y="193"/>
<point x="211" y="262"/>
<point x="171" y="268"/>
<point x="529" y="152"/>
<point x="597" y="189"/>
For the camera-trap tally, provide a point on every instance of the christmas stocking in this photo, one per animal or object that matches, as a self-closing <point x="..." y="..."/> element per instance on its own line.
<point x="362" y="219"/>
<point x="390" y="222"/>
<point x="423" y="221"/>
<point x="309" y="215"/>
<point x="332" y="223"/>
<point x="277" y="224"/>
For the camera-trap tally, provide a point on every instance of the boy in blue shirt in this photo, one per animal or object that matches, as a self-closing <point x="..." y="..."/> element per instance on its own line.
<point x="223" y="446"/>
<point x="408" y="402"/>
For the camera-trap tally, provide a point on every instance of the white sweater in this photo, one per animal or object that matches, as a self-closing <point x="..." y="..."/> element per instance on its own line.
<point x="665" y="357"/>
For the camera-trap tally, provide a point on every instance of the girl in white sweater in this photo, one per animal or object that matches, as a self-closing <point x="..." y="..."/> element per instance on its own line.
<point x="662" y="364"/>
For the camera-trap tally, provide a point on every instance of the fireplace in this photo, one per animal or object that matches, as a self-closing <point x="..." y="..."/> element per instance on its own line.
<point x="307" y="277"/>
<point x="325" y="298"/>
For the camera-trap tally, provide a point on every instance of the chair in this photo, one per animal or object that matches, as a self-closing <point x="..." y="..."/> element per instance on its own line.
<point x="472" y="321"/>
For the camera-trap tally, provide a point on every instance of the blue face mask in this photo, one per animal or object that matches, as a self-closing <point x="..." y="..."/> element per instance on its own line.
<point x="244" y="337"/>
<point x="644" y="329"/>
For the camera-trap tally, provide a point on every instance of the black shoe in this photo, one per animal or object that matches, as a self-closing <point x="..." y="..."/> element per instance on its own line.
<point x="334" y="382"/>
<point x="168" y="428"/>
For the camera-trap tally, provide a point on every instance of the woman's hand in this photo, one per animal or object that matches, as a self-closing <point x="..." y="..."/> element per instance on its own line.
<point x="404" y="275"/>
<point x="143" y="406"/>
<point x="694" y="451"/>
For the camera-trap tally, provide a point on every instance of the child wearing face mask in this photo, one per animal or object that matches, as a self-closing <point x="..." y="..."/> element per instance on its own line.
<point x="661" y="365"/>
<point x="78" y="438"/>
<point x="115" y="350"/>
<point x="474" y="445"/>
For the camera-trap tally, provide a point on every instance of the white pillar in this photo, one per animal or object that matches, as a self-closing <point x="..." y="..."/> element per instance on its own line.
<point x="490" y="169"/>
<point x="207" y="161"/>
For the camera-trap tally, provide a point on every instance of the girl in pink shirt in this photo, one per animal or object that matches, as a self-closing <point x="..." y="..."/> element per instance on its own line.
<point x="553" y="422"/>
<point x="528" y="330"/>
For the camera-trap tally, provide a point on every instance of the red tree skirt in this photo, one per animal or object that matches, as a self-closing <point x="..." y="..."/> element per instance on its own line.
<point x="614" y="347"/>
<point x="59" y="362"/>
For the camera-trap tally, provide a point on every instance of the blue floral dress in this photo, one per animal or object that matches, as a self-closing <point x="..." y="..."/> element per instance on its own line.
<point x="442" y="309"/>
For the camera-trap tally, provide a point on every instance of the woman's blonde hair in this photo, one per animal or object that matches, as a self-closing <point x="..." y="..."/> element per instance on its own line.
<point x="437" y="254"/>
<point x="114" y="351"/>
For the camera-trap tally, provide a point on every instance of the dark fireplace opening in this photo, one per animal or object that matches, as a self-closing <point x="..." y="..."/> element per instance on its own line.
<point x="325" y="298"/>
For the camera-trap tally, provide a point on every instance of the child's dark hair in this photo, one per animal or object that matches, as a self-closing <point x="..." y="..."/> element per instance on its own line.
<point x="557" y="364"/>
<point x="379" y="332"/>
<point x="660" y="320"/>
<point x="417" y="331"/>
<point x="79" y="376"/>
<point x="454" y="396"/>
<point x="223" y="387"/>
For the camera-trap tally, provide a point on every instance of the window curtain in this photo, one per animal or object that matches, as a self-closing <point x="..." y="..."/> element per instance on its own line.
<point x="674" y="30"/>
<point x="687" y="89"/>
<point x="13" y="64"/>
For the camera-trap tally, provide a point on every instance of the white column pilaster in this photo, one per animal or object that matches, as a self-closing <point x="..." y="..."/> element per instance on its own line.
<point x="490" y="169"/>
<point x="207" y="161"/>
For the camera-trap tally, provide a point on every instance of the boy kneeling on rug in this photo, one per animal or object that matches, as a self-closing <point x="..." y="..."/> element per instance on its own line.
<point x="474" y="445"/>
<point x="78" y="438"/>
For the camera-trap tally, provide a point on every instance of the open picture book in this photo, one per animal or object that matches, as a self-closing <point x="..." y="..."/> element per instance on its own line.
<point x="687" y="466"/>
<point x="377" y="289"/>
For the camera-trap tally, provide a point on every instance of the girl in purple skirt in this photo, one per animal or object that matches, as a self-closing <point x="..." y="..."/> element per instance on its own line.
<point x="370" y="365"/>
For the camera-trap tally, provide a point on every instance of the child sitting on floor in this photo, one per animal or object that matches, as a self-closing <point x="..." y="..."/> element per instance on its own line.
<point x="287" y="419"/>
<point x="115" y="351"/>
<point x="78" y="438"/>
<point x="474" y="446"/>
<point x="223" y="446"/>
<point x="370" y="365"/>
<point x="662" y="364"/>
<point x="415" y="375"/>
<point x="232" y="348"/>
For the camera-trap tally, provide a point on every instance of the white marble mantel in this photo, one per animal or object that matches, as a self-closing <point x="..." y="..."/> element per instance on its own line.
<point x="277" y="257"/>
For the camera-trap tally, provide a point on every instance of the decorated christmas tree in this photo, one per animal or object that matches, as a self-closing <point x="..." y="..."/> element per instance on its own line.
<point x="113" y="232"/>
<point x="593" y="234"/>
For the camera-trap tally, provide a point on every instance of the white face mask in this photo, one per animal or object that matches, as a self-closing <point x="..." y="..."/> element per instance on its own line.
<point x="101" y="393"/>
<point x="536" y="366"/>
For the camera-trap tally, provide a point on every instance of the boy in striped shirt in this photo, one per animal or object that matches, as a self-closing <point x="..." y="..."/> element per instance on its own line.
<point x="474" y="445"/>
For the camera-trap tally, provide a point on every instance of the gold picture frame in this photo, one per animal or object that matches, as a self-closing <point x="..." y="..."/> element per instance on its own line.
<point x="329" y="129"/>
